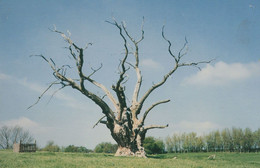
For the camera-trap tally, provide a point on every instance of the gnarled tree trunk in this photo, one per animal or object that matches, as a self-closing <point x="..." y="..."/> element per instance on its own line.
<point x="129" y="143"/>
<point x="125" y="124"/>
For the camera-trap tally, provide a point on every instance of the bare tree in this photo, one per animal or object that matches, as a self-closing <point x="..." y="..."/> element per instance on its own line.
<point x="5" y="137"/>
<point x="124" y="120"/>
<point x="21" y="135"/>
<point x="11" y="135"/>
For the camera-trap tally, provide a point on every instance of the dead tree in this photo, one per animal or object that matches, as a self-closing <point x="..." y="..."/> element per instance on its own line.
<point x="124" y="120"/>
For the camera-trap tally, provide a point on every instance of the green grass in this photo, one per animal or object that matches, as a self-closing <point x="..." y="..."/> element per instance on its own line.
<point x="8" y="159"/>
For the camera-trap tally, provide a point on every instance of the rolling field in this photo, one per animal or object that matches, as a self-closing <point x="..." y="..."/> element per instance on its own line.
<point x="8" y="159"/>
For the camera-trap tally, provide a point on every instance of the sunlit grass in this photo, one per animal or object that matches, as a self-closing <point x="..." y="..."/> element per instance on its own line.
<point x="8" y="159"/>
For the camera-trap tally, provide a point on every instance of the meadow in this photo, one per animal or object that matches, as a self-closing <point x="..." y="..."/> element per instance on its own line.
<point x="8" y="159"/>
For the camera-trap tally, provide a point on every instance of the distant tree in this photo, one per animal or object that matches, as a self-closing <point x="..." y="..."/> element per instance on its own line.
<point x="11" y="135"/>
<point x="169" y="143"/>
<point x="235" y="139"/>
<point x="5" y="137"/>
<point x="248" y="140"/>
<point x="71" y="148"/>
<point x="79" y="149"/>
<point x="176" y="142"/>
<point x="153" y="146"/>
<point x="51" y="147"/>
<point x="185" y="142"/>
<point x="238" y="135"/>
<point x="209" y="140"/>
<point x="105" y="147"/>
<point x="173" y="144"/>
<point x="257" y="140"/>
<point x="179" y="141"/>
<point x="200" y="144"/>
<point x="21" y="135"/>
<point x="218" y="141"/>
<point x="192" y="138"/>
<point x="228" y="141"/>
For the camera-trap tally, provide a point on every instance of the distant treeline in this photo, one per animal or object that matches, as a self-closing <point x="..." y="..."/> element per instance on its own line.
<point x="52" y="147"/>
<point x="226" y="140"/>
<point x="151" y="144"/>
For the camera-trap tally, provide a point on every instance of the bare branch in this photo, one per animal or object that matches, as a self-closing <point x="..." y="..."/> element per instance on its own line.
<point x="69" y="33"/>
<point x="83" y="77"/>
<point x="155" y="126"/>
<point x="122" y="99"/>
<point x="177" y="65"/>
<point x="88" y="45"/>
<point x="184" y="46"/>
<point x="81" y="88"/>
<point x="142" y="29"/>
<point x="72" y="53"/>
<point x="118" y="88"/>
<point x="56" y="92"/>
<point x="155" y="86"/>
<point x="138" y="83"/>
<point x="136" y="54"/>
<point x="99" y="121"/>
<point x="130" y="64"/>
<point x="103" y="96"/>
<point x="151" y="107"/>
<point x="51" y="64"/>
<point x="169" y="47"/>
<point x="53" y="83"/>
<point x="126" y="78"/>
<point x="112" y="23"/>
<point x="66" y="38"/>
<point x="79" y="63"/>
<point x="195" y="64"/>
<point x="130" y="37"/>
<point x="107" y="92"/>
<point x="95" y="70"/>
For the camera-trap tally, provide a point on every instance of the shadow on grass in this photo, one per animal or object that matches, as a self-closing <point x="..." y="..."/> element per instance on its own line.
<point x="98" y="155"/>
<point x="161" y="156"/>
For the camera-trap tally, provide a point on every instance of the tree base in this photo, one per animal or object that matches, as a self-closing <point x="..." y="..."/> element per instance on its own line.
<point x="123" y="151"/>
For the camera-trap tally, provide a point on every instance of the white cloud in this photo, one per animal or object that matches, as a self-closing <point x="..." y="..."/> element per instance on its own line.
<point x="198" y="127"/>
<point x="22" y="122"/>
<point x="222" y="73"/>
<point x="4" y="76"/>
<point x="151" y="64"/>
<point x="32" y="86"/>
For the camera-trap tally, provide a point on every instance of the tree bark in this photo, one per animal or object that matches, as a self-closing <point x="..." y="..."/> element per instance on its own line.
<point x="130" y="143"/>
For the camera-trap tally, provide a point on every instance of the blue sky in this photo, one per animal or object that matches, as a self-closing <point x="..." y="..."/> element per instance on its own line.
<point x="223" y="94"/>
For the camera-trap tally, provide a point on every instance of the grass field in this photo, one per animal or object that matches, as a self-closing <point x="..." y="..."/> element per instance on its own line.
<point x="8" y="159"/>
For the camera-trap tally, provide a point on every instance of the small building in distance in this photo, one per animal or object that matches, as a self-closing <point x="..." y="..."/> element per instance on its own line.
<point x="20" y="147"/>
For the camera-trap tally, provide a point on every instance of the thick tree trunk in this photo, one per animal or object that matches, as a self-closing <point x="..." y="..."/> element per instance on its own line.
<point x="130" y="143"/>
